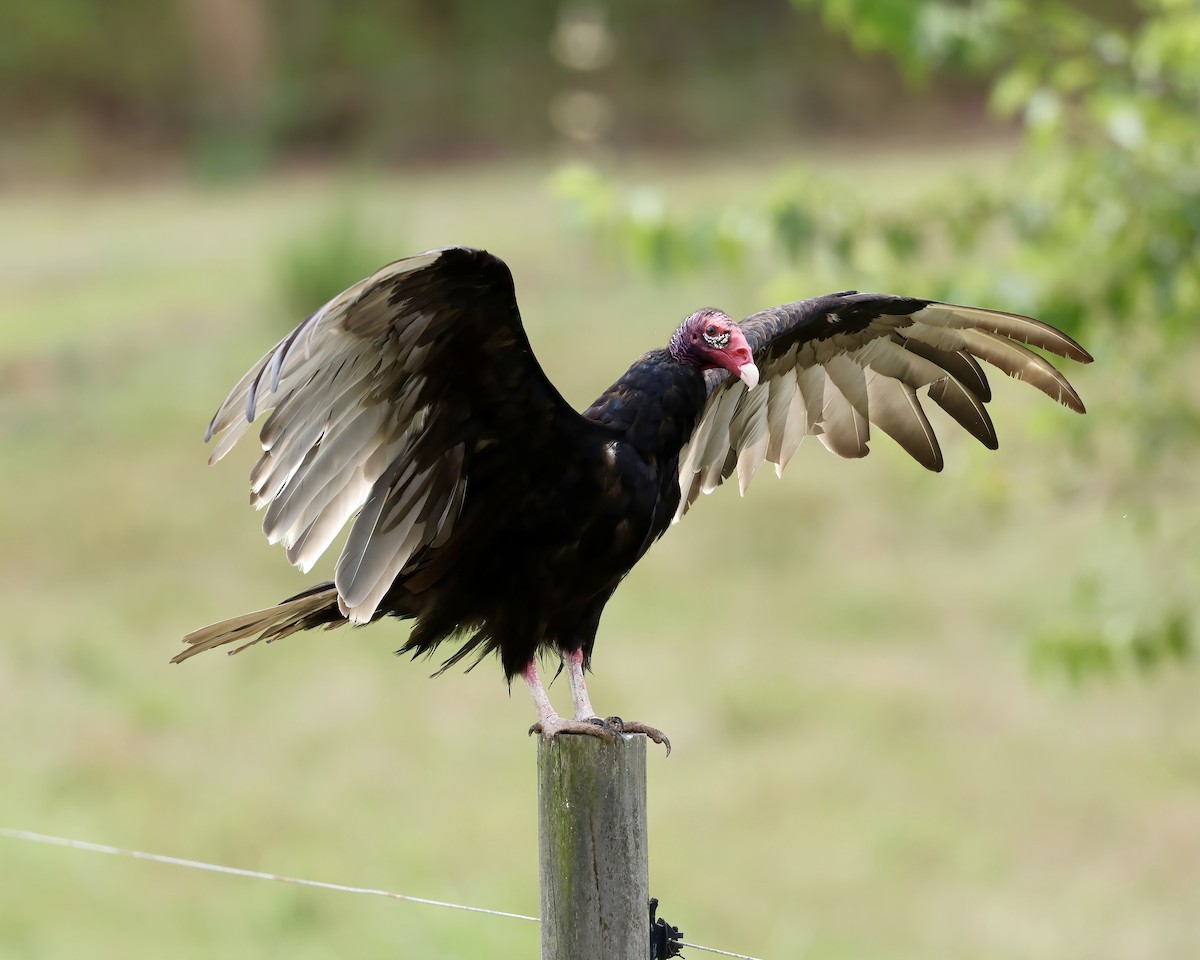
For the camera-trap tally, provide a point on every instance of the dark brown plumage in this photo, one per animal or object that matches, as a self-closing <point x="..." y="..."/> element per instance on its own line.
<point x="496" y="517"/>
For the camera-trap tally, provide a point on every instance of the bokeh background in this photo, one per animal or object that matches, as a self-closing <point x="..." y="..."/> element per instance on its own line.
<point x="913" y="715"/>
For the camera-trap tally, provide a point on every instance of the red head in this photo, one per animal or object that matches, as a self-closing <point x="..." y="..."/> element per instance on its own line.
<point x="710" y="338"/>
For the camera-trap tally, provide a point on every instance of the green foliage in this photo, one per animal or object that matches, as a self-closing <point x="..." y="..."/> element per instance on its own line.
<point x="638" y="223"/>
<point x="1083" y="656"/>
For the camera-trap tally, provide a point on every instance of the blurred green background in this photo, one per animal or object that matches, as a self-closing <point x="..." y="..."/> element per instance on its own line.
<point x="913" y="715"/>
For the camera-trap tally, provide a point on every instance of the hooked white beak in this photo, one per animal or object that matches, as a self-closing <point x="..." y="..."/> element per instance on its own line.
<point x="749" y="374"/>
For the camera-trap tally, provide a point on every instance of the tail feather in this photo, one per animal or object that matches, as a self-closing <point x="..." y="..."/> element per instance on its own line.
<point x="313" y="608"/>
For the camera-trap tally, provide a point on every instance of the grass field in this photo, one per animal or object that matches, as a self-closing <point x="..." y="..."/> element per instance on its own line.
<point x="864" y="764"/>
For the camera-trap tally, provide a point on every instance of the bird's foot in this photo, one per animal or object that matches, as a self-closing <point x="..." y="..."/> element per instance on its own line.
<point x="633" y="726"/>
<point x="552" y="726"/>
<point x="605" y="729"/>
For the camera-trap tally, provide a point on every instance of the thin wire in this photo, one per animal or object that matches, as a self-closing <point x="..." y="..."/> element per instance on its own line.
<point x="236" y="871"/>
<point x="724" y="953"/>
<point x="260" y="875"/>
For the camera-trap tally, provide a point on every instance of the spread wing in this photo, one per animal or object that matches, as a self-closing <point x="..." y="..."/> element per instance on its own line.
<point x="835" y="365"/>
<point x="378" y="402"/>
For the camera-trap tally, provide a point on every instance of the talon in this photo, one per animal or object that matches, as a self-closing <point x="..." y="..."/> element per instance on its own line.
<point x="551" y="728"/>
<point x="617" y="723"/>
<point x="652" y="732"/>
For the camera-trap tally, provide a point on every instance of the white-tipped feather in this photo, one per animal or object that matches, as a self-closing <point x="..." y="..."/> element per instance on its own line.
<point x="693" y="449"/>
<point x="896" y="410"/>
<point x="280" y="465"/>
<point x="750" y="460"/>
<point x="782" y="391"/>
<point x="353" y="437"/>
<point x="286" y="519"/>
<point x="846" y="373"/>
<point x="750" y="425"/>
<point x="334" y="397"/>
<point x="722" y="415"/>
<point x="228" y="440"/>
<point x="385" y="555"/>
<point x="350" y="564"/>
<point x="966" y="408"/>
<point x="1010" y="325"/>
<point x="323" y="530"/>
<point x="712" y="475"/>
<point x="810" y="382"/>
<point x="796" y="428"/>
<point x="1023" y="364"/>
<point x="845" y="430"/>
<point x="364" y="610"/>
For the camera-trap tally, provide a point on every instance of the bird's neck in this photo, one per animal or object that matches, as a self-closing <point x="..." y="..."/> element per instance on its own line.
<point x="655" y="404"/>
<point x="677" y="349"/>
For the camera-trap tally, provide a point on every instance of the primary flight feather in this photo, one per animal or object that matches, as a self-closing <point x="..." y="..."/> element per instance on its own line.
<point x="487" y="510"/>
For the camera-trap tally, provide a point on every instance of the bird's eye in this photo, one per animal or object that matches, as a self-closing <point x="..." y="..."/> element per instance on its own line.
<point x="711" y="331"/>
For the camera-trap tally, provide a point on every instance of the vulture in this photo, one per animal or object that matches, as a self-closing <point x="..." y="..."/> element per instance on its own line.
<point x="485" y="509"/>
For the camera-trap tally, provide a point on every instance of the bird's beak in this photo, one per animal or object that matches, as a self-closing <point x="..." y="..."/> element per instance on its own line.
<point x="749" y="374"/>
<point x="739" y="359"/>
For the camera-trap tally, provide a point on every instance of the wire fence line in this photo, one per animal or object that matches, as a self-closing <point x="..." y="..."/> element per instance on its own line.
<point x="29" y="835"/>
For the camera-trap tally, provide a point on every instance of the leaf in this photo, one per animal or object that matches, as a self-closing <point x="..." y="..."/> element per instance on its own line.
<point x="902" y="239"/>
<point x="795" y="229"/>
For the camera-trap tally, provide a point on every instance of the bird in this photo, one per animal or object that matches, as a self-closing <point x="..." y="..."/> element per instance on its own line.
<point x="484" y="508"/>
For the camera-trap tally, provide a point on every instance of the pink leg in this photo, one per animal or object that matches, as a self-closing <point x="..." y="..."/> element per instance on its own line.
<point x="549" y="723"/>
<point x="573" y="661"/>
<point x="541" y="701"/>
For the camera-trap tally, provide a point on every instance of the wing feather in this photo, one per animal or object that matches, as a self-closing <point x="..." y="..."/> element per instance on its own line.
<point x="376" y="401"/>
<point x="783" y="394"/>
<point x="1022" y="363"/>
<point x="966" y="408"/>
<point x="810" y="381"/>
<point x="750" y="423"/>
<point x="846" y="428"/>
<point x="897" y="412"/>
<point x="834" y="365"/>
<point x="1010" y="326"/>
<point x="960" y="365"/>
<point x="792" y="430"/>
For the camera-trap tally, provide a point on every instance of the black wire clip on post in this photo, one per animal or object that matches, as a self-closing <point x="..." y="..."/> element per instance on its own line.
<point x="664" y="938"/>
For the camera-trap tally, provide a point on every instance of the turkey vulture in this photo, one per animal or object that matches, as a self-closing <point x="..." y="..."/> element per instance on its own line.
<point x="496" y="517"/>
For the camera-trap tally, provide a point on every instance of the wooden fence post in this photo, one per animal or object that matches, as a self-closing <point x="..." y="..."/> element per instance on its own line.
<point x="594" y="867"/>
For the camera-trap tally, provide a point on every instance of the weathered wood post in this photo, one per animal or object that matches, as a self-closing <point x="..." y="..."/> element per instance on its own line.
<point x="594" y="866"/>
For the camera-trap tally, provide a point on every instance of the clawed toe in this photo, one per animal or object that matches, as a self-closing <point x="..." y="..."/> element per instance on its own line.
<point x="634" y="726"/>
<point x="551" y="728"/>
<point x="605" y="729"/>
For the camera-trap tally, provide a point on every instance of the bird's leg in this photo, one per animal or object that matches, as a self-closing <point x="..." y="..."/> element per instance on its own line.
<point x="573" y="662"/>
<point x="549" y="723"/>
